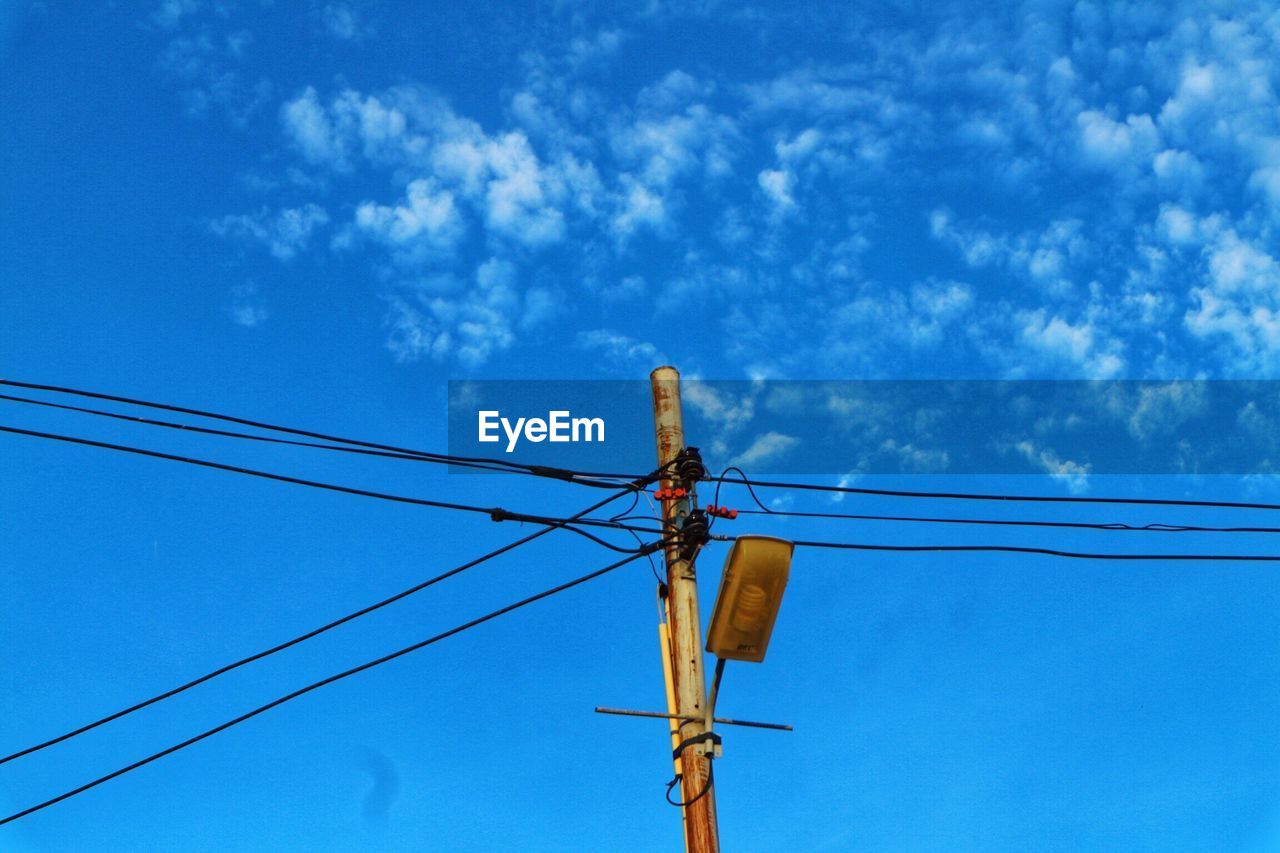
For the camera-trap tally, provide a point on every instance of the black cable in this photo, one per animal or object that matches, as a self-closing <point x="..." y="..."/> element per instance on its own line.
<point x="325" y="682"/>
<point x="1018" y="549"/>
<point x="653" y="567"/>
<point x="635" y="501"/>
<point x="720" y="482"/>
<point x="340" y="448"/>
<point x="626" y="513"/>
<point x="706" y="789"/>
<point x="743" y="474"/>
<point x="537" y="470"/>
<point x="1000" y="497"/>
<point x="551" y="524"/>
<point x="497" y="513"/>
<point x="678" y="753"/>
<point x="621" y="549"/>
<point x="1115" y="526"/>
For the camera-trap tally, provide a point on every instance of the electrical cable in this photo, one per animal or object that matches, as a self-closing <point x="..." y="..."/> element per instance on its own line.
<point x="340" y="448"/>
<point x="1017" y="549"/>
<point x="772" y="484"/>
<point x="1082" y="525"/>
<point x="626" y="513"/>
<point x="706" y="789"/>
<point x="497" y="513"/>
<point x="537" y="470"/>
<point x="621" y="549"/>
<point x="551" y="524"/>
<point x="325" y="682"/>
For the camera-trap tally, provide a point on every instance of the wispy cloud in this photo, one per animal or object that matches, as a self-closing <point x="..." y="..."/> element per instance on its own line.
<point x="283" y="232"/>
<point x="1094" y="198"/>
<point x="768" y="447"/>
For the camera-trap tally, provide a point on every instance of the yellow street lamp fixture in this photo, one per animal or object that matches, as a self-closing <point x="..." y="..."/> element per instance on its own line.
<point x="755" y="576"/>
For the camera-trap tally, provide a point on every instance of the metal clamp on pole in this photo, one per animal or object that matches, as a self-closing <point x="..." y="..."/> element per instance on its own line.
<point x="712" y="751"/>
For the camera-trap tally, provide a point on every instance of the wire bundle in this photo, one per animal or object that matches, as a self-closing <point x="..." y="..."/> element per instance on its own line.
<point x="581" y="523"/>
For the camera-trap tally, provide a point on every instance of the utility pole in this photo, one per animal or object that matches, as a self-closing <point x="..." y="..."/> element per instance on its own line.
<point x="684" y="628"/>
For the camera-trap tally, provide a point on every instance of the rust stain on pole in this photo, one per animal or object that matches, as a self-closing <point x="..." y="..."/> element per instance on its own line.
<point x="683" y="624"/>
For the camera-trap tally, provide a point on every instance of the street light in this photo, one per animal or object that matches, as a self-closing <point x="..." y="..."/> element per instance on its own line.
<point x="755" y="575"/>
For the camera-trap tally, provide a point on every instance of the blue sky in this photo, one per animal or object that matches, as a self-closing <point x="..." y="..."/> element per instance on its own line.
<point x="317" y="213"/>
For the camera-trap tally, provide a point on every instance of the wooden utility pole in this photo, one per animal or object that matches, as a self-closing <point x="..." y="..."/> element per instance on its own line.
<point x="684" y="627"/>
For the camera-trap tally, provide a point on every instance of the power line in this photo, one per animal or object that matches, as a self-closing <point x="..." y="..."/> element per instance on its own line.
<point x="536" y="470"/>
<point x="551" y="524"/>
<point x="771" y="484"/>
<point x="1083" y="525"/>
<point x="193" y="428"/>
<point x="496" y="513"/>
<point x="648" y="549"/>
<point x="1018" y="549"/>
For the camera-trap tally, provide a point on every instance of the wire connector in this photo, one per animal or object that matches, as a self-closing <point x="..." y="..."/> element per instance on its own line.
<point x="721" y="512"/>
<point x="670" y="494"/>
<point x="695" y="532"/>
<point x="688" y="466"/>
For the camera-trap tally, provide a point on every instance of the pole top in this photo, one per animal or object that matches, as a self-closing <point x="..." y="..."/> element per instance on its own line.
<point x="665" y="372"/>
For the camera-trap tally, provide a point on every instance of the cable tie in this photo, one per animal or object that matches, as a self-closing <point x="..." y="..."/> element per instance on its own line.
<point x="705" y="737"/>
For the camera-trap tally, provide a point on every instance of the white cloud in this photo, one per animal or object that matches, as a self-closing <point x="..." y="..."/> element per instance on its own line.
<point x="442" y="317"/>
<point x="641" y="207"/>
<point x="247" y="307"/>
<point x="1113" y="176"/>
<point x="311" y="132"/>
<point x="1081" y="347"/>
<point x="915" y="460"/>
<point x="768" y="447"/>
<point x="727" y="411"/>
<point x="284" y="232"/>
<point x="622" y="351"/>
<point x="880" y="325"/>
<point x="171" y="12"/>
<point x="1177" y="225"/>
<point x="1107" y="142"/>
<point x="1074" y="475"/>
<point x="1180" y="171"/>
<point x="342" y="21"/>
<point x="1160" y="409"/>
<point x="777" y="184"/>
<point x="521" y="196"/>
<point x="205" y="68"/>
<point x="1240" y="302"/>
<point x="425" y="226"/>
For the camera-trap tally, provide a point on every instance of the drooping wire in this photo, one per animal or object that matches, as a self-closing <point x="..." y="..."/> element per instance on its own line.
<point x="550" y="525"/>
<point x="288" y="697"/>
<point x="267" y="439"/>
<point x="678" y="753"/>
<point x="720" y="482"/>
<point x="1017" y="549"/>
<point x="1083" y="525"/>
<point x="706" y="789"/>
<point x="854" y="490"/>
<point x="537" y="470"/>
<point x="495" y="512"/>
<point x="618" y="518"/>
